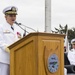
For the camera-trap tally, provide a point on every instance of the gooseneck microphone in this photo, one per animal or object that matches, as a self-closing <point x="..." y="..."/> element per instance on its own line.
<point x="21" y="28"/>
<point x="24" y="26"/>
<point x="19" y="24"/>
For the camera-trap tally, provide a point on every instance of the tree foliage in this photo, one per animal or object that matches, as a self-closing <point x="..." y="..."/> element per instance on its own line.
<point x="64" y="30"/>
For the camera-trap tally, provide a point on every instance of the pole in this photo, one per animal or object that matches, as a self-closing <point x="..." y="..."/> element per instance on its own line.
<point x="47" y="15"/>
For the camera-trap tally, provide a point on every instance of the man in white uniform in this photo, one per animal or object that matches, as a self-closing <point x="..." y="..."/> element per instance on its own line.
<point x="8" y="35"/>
<point x="71" y="53"/>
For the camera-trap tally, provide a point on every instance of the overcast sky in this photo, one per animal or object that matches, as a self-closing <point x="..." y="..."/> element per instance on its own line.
<point x="63" y="12"/>
<point x="32" y="12"/>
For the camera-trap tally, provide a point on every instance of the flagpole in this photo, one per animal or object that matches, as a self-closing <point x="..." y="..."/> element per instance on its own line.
<point x="47" y="15"/>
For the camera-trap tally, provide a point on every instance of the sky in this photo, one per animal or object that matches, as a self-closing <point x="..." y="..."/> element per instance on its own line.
<point x="32" y="13"/>
<point x="63" y="12"/>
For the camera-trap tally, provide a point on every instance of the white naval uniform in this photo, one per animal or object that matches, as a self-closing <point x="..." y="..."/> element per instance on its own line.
<point x="7" y="37"/>
<point x="65" y="71"/>
<point x="71" y="56"/>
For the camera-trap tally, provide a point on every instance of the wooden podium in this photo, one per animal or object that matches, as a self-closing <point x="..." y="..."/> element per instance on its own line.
<point x="36" y="53"/>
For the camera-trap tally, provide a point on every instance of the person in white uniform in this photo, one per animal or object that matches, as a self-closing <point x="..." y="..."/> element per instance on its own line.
<point x="8" y="35"/>
<point x="71" y="53"/>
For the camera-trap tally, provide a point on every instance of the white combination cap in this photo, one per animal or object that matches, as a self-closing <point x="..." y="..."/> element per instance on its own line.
<point x="10" y="10"/>
<point x="73" y="41"/>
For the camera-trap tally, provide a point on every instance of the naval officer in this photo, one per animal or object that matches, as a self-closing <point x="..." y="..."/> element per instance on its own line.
<point x="8" y="35"/>
<point x="71" y="53"/>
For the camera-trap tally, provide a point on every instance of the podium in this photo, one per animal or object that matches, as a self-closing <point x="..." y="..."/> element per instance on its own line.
<point x="38" y="54"/>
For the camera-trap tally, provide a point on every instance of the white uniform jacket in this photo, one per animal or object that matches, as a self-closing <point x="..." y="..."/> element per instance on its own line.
<point x="7" y="37"/>
<point x="71" y="56"/>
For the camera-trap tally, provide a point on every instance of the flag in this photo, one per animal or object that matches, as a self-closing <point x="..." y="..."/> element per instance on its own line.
<point x="66" y="42"/>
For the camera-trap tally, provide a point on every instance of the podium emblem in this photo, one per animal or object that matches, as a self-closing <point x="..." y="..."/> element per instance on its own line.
<point x="53" y="63"/>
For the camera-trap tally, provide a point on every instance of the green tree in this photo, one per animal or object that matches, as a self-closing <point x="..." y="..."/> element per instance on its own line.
<point x="64" y="30"/>
<point x="61" y="29"/>
<point x="71" y="33"/>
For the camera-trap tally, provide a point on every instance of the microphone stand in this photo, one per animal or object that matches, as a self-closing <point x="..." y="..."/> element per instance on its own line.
<point x="27" y="27"/>
<point x="19" y="24"/>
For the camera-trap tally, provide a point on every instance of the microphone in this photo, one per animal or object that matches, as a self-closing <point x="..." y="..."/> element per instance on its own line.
<point x="17" y="23"/>
<point x="20" y="25"/>
<point x="24" y="26"/>
<point x="21" y="28"/>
